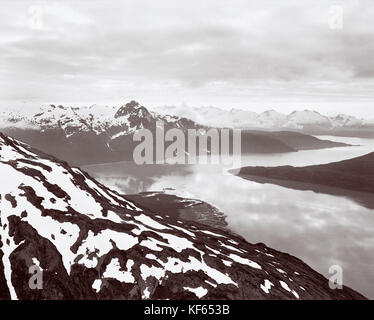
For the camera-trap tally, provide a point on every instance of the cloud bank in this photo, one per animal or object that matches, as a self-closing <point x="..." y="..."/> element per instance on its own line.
<point x="238" y="53"/>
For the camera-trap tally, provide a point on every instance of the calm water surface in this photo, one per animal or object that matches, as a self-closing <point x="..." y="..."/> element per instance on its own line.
<point x="322" y="230"/>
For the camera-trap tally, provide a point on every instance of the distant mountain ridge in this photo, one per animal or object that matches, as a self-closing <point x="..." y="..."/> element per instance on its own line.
<point x="307" y="120"/>
<point x="99" y="118"/>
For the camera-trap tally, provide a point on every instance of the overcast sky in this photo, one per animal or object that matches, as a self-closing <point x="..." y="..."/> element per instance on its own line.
<point x="245" y="54"/>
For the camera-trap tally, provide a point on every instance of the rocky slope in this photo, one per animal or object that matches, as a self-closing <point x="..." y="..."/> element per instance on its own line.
<point x="181" y="208"/>
<point x="92" y="243"/>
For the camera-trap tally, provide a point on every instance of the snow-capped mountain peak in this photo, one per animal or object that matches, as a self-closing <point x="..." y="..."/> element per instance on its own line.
<point x="271" y="112"/>
<point x="307" y="117"/>
<point x="342" y="120"/>
<point x="132" y="108"/>
<point x="271" y="118"/>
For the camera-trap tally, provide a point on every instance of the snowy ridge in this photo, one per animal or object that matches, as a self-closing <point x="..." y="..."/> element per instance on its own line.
<point x="270" y="119"/>
<point x="73" y="121"/>
<point x="88" y="135"/>
<point x="93" y="243"/>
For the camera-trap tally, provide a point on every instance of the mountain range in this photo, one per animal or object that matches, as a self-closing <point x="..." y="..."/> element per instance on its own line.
<point x="112" y="121"/>
<point x="90" y="242"/>
<point x="307" y="121"/>
<point x="86" y="135"/>
<point x="102" y="134"/>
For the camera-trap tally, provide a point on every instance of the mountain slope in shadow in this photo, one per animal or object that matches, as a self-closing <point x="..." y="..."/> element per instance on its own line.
<point x="301" y="141"/>
<point x="353" y="178"/>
